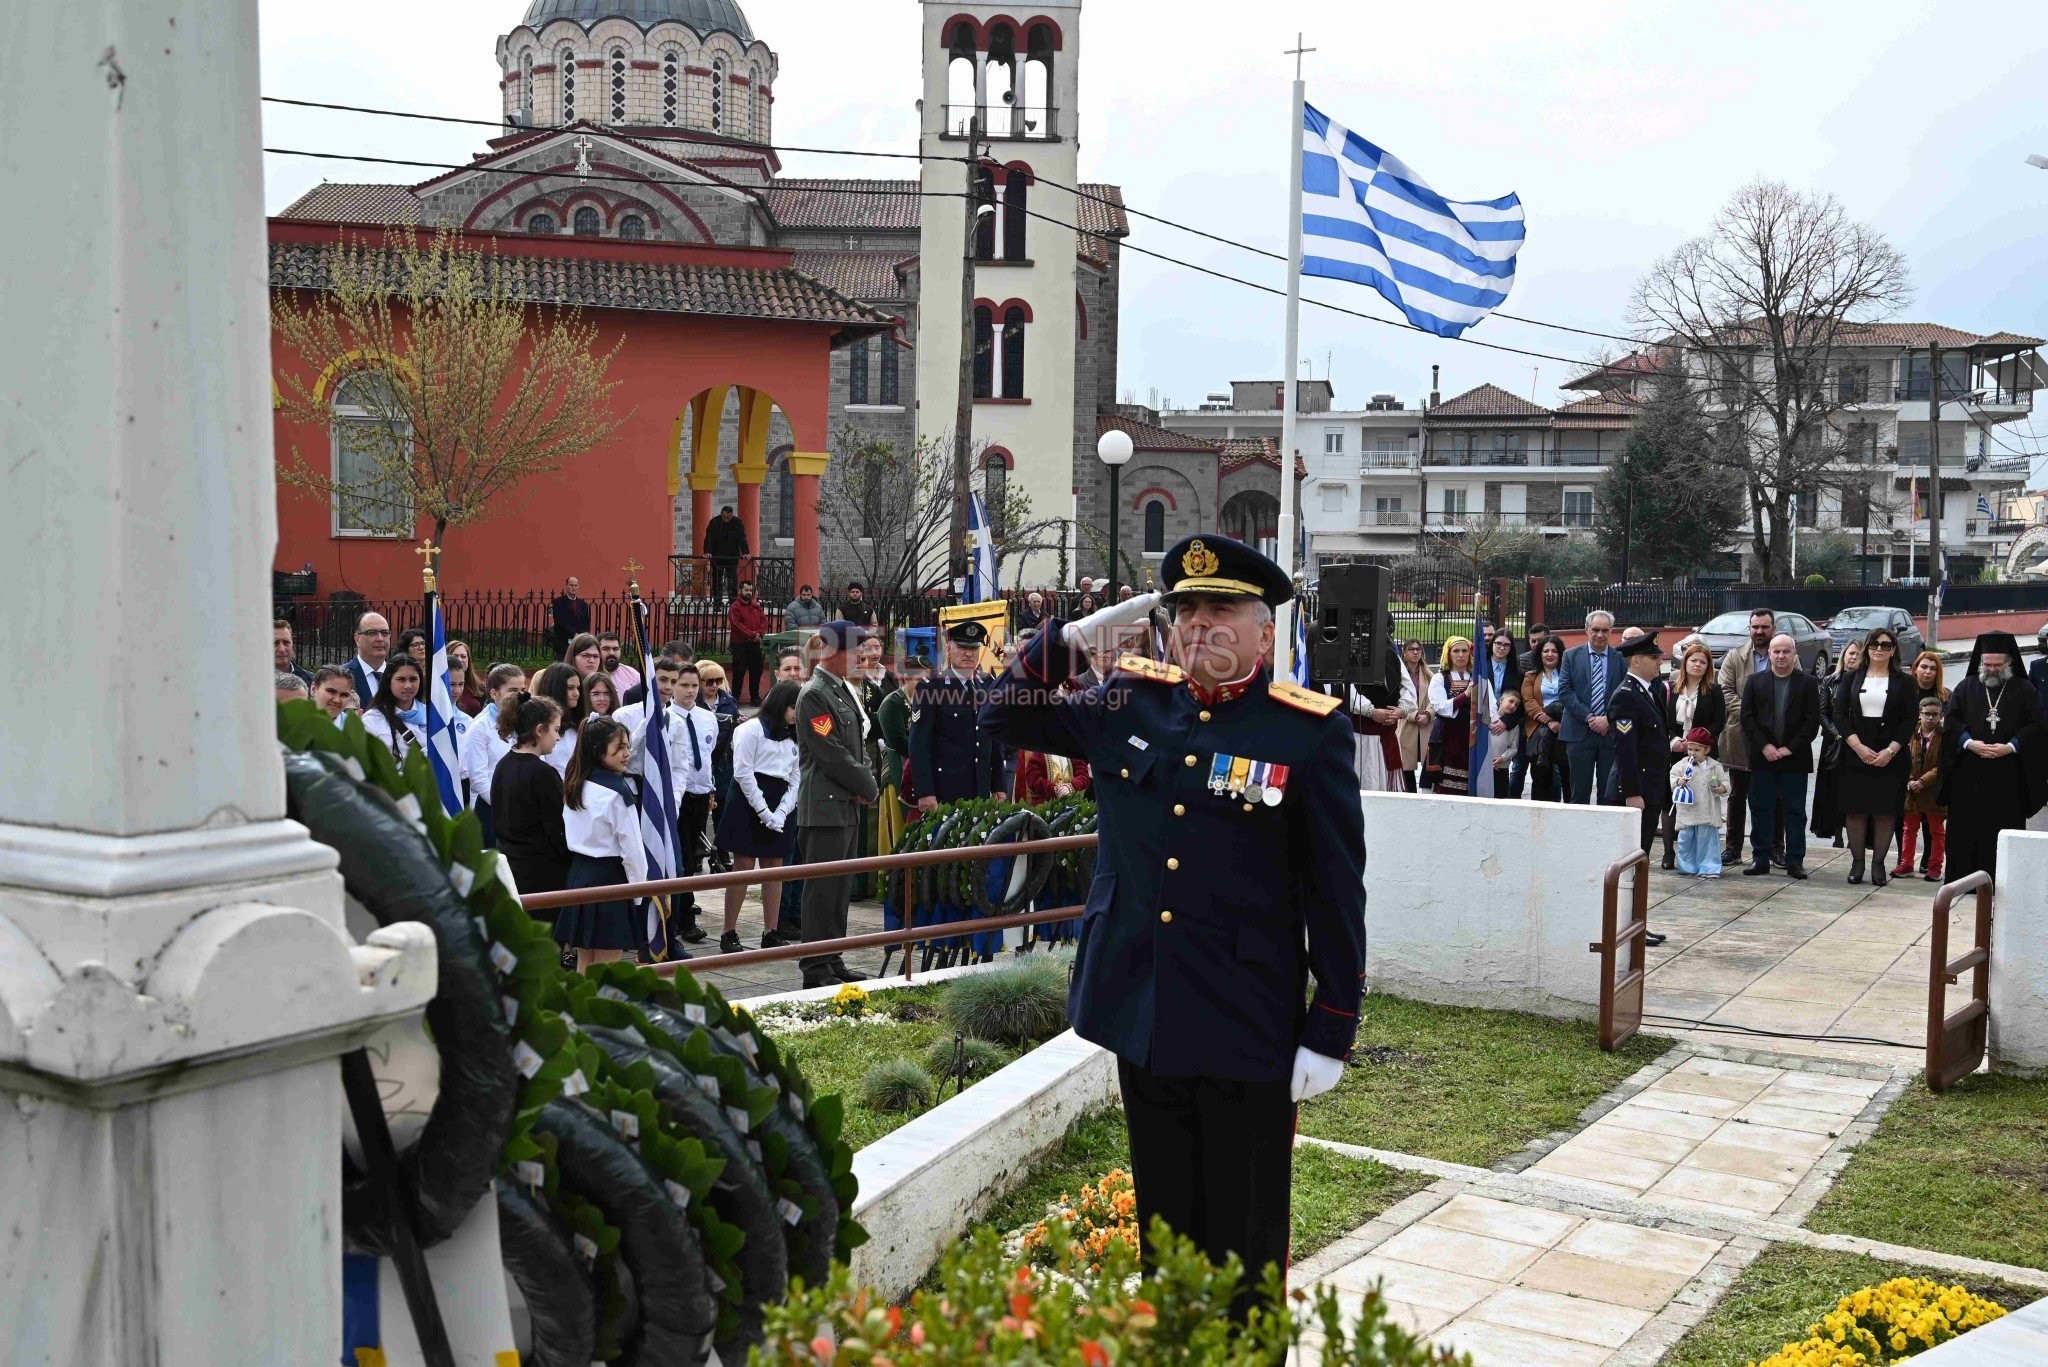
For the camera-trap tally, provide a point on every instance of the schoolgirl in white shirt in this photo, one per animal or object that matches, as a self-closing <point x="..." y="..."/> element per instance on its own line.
<point x="483" y="747"/>
<point x="754" y="828"/>
<point x="601" y="822"/>
<point x="396" y="717"/>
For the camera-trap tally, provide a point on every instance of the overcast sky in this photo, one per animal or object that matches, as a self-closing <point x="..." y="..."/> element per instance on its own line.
<point x="1622" y="127"/>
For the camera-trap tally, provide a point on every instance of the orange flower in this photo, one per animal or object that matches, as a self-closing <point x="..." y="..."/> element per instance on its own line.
<point x="895" y="1318"/>
<point x="1020" y="1305"/>
<point x="1092" y="1354"/>
<point x="821" y="1347"/>
<point x="1142" y="1307"/>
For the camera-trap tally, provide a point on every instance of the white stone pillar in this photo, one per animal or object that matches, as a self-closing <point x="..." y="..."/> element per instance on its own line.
<point x="2019" y="954"/>
<point x="175" y="980"/>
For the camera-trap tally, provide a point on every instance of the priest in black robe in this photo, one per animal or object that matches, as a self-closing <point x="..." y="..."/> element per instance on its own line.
<point x="1996" y="755"/>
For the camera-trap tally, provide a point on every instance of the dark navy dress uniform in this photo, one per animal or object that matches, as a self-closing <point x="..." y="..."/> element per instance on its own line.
<point x="1642" y="741"/>
<point x="951" y="756"/>
<point x="1230" y="868"/>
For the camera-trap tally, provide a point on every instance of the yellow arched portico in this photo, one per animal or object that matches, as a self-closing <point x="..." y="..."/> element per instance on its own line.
<point x="696" y="446"/>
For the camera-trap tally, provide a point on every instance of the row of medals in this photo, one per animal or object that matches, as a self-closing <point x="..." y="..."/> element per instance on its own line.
<point x="1255" y="780"/>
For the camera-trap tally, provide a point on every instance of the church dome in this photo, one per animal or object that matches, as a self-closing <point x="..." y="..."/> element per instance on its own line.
<point x="703" y="17"/>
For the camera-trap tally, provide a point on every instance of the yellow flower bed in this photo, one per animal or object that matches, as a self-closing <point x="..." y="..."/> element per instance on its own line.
<point x="850" y="1001"/>
<point x="1106" y="1213"/>
<point x="1886" y="1323"/>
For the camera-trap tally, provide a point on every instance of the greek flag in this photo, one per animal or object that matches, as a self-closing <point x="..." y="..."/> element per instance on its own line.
<point x="445" y="724"/>
<point x="658" y="833"/>
<point x="981" y="567"/>
<point x="1367" y="218"/>
<point x="1299" y="668"/>
<point x="1983" y="505"/>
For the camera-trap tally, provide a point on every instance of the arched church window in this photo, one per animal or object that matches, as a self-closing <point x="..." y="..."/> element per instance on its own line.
<point x="963" y="95"/>
<point x="984" y="352"/>
<point x="891" y="383"/>
<point x="751" y="126"/>
<point x="1015" y="213"/>
<point x="568" y="68"/>
<point x="857" y="372"/>
<point x="541" y="225"/>
<point x="526" y="86"/>
<point x="984" y="213"/>
<point x="1155" y="528"/>
<point x="633" y="227"/>
<point x="999" y="83"/>
<point x="995" y="485"/>
<point x="718" y="94"/>
<point x="671" y="84"/>
<point x="1037" y="92"/>
<point x="618" y="85"/>
<point x="1013" y="353"/>
<point x="588" y="224"/>
<point x="785" y="495"/>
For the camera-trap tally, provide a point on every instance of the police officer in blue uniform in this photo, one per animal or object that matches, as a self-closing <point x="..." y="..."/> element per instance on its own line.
<point x="1230" y="869"/>
<point x="951" y="757"/>
<point x="1642" y="741"/>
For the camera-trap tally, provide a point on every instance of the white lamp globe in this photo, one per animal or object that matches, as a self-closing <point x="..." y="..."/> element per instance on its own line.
<point x="1114" y="447"/>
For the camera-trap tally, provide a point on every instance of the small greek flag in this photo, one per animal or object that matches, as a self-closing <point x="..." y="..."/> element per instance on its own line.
<point x="1299" y="668"/>
<point x="1367" y="218"/>
<point x="1983" y="505"/>
<point x="981" y="564"/>
<point x="445" y="724"/>
<point x="658" y="832"/>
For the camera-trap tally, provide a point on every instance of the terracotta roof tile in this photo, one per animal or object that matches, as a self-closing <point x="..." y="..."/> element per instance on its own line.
<point x="1487" y="401"/>
<point x="342" y="202"/>
<point x="1613" y="409"/>
<point x="1239" y="452"/>
<point x="817" y="202"/>
<point x="2011" y="339"/>
<point x="721" y="291"/>
<point x="858" y="275"/>
<point x="1146" y="437"/>
<point x="1906" y="334"/>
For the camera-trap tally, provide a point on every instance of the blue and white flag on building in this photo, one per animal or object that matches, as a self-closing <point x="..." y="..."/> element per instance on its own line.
<point x="1983" y="505"/>
<point x="981" y="563"/>
<point x="445" y="723"/>
<point x="1368" y="218"/>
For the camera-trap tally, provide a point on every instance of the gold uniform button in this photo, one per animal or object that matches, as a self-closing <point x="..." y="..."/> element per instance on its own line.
<point x="1189" y="761"/>
<point x="1173" y="863"/>
<point x="1179" y="810"/>
<point x="1204" y="714"/>
<point x="1166" y="916"/>
<point x="1126" y="773"/>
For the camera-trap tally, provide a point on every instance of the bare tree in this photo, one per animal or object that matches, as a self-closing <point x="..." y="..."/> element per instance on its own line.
<point x="1762" y="304"/>
<point x="888" y="508"/>
<point x="459" y="393"/>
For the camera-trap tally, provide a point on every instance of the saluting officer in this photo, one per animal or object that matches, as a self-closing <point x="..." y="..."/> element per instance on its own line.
<point x="951" y="757"/>
<point x="1231" y="865"/>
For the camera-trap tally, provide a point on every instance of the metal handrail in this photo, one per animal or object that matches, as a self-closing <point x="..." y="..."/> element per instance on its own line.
<point x="797" y="873"/>
<point x="1613" y="937"/>
<point x="1956" y="1043"/>
<point x="880" y="939"/>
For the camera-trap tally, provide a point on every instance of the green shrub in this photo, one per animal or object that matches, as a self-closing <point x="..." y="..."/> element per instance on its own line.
<point x="977" y="1058"/>
<point x="983" y="1308"/>
<point x="1021" y="1003"/>
<point x="897" y="1084"/>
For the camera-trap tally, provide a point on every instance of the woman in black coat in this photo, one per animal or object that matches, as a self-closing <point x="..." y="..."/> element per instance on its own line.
<point x="1875" y="711"/>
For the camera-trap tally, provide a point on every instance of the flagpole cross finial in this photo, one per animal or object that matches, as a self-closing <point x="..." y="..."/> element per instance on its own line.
<point x="1297" y="52"/>
<point x="632" y="567"/>
<point x="427" y="552"/>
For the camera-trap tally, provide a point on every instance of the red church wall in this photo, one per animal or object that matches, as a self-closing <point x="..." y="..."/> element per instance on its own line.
<point x="610" y="504"/>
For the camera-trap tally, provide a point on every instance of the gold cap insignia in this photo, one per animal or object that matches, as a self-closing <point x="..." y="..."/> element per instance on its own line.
<point x="1199" y="560"/>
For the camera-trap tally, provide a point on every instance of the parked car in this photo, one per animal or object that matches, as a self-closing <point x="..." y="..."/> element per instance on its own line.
<point x="1731" y="629"/>
<point x="1853" y="624"/>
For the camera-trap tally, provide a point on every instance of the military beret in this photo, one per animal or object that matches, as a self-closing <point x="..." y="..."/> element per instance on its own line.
<point x="1217" y="567"/>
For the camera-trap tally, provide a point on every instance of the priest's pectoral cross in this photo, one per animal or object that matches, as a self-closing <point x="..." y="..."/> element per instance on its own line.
<point x="1991" y="717"/>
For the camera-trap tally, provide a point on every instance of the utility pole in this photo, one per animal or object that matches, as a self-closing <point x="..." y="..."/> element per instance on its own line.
<point x="1936" y="570"/>
<point x="963" y="411"/>
<point x="1628" y="512"/>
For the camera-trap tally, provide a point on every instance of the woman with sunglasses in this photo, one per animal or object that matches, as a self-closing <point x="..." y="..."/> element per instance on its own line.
<point x="1876" y="710"/>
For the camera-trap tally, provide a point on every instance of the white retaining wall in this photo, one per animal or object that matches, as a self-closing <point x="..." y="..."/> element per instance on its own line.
<point x="921" y="1185"/>
<point x="2019" y="954"/>
<point x="1487" y="901"/>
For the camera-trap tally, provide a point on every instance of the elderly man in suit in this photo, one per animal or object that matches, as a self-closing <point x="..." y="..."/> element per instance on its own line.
<point x="1591" y="672"/>
<point x="1736" y="667"/>
<point x="1780" y="721"/>
<point x="373" y="653"/>
<point x="834" y="783"/>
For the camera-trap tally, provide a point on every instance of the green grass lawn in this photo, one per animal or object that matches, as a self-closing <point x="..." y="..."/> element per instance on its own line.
<point x="1333" y="1194"/>
<point x="1965" y="1172"/>
<point x="1466" y="1085"/>
<point x="1789" y="1288"/>
<point x="836" y="1058"/>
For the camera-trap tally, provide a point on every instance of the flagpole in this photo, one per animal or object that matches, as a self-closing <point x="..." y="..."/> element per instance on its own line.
<point x="1283" y="635"/>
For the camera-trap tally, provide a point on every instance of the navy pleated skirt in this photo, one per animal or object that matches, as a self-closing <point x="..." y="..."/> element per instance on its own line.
<point x="600" y="925"/>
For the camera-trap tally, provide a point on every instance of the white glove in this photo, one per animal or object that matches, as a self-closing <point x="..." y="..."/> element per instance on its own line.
<point x="1315" y="1073"/>
<point x="1100" y="625"/>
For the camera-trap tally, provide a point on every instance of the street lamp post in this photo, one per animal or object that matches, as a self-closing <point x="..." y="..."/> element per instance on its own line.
<point x="1114" y="448"/>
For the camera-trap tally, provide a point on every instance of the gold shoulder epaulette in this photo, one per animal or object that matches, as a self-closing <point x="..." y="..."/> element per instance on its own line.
<point x="1307" y="699"/>
<point x="1149" y="669"/>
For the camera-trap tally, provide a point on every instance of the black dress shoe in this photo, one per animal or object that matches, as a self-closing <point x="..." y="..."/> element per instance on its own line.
<point x="1855" y="875"/>
<point x="846" y="975"/>
<point x="692" y="933"/>
<point x="1878" y="877"/>
<point x="775" y="939"/>
<point x="1795" y="871"/>
<point x="1756" y="870"/>
<point x="1652" y="938"/>
<point x="731" y="943"/>
<point x="1670" y="860"/>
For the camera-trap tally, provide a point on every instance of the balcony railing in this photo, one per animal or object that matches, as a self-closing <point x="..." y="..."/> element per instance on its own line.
<point x="1475" y="458"/>
<point x="1916" y="390"/>
<point x="1579" y="458"/>
<point x="1004" y="122"/>
<point x="1387" y="517"/>
<point x="1388" y="460"/>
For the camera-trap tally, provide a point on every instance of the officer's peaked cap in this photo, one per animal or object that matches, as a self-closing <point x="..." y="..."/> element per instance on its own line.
<point x="1217" y="567"/>
<point x="1645" y="644"/>
<point x="969" y="633"/>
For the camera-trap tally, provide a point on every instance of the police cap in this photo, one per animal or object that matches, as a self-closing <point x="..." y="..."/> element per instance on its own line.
<point x="1645" y="644"/>
<point x="968" y="633"/>
<point x="1217" y="567"/>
